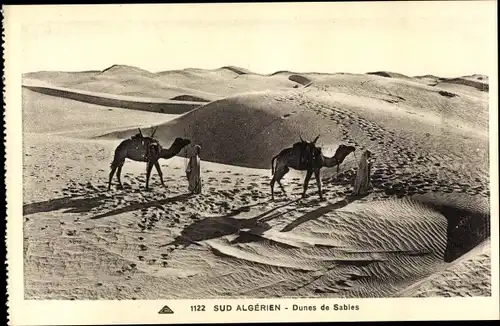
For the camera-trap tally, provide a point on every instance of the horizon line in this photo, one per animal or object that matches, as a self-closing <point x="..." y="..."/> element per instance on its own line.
<point x="247" y="71"/>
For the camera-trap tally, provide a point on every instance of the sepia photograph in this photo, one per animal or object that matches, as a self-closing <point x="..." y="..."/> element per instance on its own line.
<point x="329" y="151"/>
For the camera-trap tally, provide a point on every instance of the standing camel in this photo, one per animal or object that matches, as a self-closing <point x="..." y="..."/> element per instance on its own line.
<point x="305" y="156"/>
<point x="144" y="149"/>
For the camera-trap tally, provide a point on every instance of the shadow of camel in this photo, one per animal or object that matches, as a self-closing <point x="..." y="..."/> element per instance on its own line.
<point x="141" y="205"/>
<point x="74" y="204"/>
<point x="219" y="226"/>
<point x="320" y="211"/>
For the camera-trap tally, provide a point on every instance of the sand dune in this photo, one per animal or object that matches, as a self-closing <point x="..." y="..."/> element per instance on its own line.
<point x="473" y="82"/>
<point x="60" y="77"/>
<point x="126" y="102"/>
<point x="226" y="82"/>
<point x="300" y="79"/>
<point x="237" y="70"/>
<point x="467" y="276"/>
<point x="118" y="80"/>
<point x="217" y="83"/>
<point x="204" y="84"/>
<point x="423" y="231"/>
<point x="478" y="82"/>
<point x="389" y="74"/>
<point x="51" y="114"/>
<point x="255" y="126"/>
<point x="266" y="122"/>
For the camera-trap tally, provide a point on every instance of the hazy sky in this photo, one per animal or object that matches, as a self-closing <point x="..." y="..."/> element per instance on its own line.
<point x="443" y="38"/>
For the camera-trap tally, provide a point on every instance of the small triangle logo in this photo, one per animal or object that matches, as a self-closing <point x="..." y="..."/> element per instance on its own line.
<point x="165" y="310"/>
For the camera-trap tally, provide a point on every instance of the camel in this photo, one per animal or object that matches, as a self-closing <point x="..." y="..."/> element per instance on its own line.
<point x="305" y="156"/>
<point x="144" y="149"/>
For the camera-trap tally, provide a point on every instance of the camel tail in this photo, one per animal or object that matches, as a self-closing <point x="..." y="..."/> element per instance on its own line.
<point x="117" y="159"/>
<point x="115" y="163"/>
<point x="272" y="164"/>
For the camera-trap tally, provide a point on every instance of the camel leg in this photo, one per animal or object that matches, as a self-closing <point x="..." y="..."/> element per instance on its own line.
<point x="158" y="169"/>
<point x="306" y="182"/>
<point x="278" y="175"/>
<point x="111" y="174"/>
<point x="119" y="174"/>
<point x="272" y="188"/>
<point x="281" y="186"/>
<point x="114" y="167"/>
<point x="273" y="180"/>
<point x="318" y="183"/>
<point x="148" y="173"/>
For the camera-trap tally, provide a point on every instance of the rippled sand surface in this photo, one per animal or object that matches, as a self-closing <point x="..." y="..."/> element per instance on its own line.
<point x="423" y="231"/>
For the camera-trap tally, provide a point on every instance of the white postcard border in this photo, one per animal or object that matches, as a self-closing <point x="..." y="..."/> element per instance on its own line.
<point x="32" y="312"/>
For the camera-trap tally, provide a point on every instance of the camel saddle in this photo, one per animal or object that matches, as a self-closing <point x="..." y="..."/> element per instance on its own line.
<point x="305" y="150"/>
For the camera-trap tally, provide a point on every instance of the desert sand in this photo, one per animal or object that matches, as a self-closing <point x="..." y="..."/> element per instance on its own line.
<point x="423" y="230"/>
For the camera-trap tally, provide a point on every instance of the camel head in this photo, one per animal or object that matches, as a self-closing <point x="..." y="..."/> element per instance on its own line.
<point x="181" y="142"/>
<point x="344" y="150"/>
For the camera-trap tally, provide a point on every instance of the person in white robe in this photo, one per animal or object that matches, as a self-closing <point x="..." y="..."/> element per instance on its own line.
<point x="193" y="171"/>
<point x="362" y="183"/>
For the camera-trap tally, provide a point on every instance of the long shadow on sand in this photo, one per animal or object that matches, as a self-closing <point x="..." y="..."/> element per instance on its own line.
<point x="74" y="204"/>
<point x="219" y="226"/>
<point x="320" y="211"/>
<point x="141" y="205"/>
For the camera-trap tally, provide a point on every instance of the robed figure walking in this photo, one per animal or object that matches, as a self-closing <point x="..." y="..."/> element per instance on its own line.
<point x="362" y="183"/>
<point x="193" y="171"/>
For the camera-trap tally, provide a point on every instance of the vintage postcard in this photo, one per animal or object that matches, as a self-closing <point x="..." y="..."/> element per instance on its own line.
<point x="268" y="162"/>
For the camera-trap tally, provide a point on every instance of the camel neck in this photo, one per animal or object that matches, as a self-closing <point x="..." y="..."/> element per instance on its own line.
<point x="330" y="161"/>
<point x="167" y="153"/>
